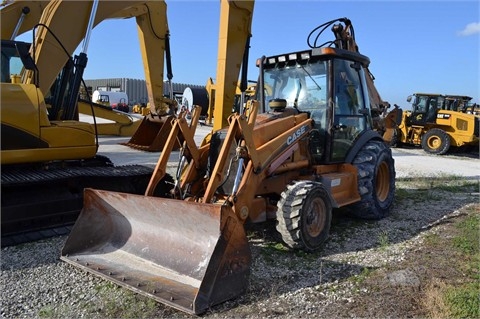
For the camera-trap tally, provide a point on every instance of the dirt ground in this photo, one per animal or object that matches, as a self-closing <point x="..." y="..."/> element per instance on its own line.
<point x="410" y="289"/>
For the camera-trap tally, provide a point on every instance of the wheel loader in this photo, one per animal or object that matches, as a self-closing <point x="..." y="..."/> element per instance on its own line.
<point x="436" y="122"/>
<point x="298" y="151"/>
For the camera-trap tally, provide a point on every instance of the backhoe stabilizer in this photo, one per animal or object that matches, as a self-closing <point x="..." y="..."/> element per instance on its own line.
<point x="187" y="255"/>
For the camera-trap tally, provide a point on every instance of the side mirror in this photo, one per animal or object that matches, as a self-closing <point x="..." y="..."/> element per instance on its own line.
<point x="27" y="60"/>
<point x="409" y="98"/>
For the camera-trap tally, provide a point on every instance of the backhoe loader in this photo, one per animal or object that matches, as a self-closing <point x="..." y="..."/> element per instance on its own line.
<point x="47" y="155"/>
<point x="437" y="123"/>
<point x="302" y="148"/>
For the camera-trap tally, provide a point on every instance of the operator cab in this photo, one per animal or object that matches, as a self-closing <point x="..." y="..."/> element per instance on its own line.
<point x="425" y="108"/>
<point x="331" y="88"/>
<point x="15" y="58"/>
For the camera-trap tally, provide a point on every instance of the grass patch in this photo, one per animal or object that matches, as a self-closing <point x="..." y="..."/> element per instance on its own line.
<point x="383" y="240"/>
<point x="468" y="242"/>
<point x="47" y="312"/>
<point x="460" y="298"/>
<point x="362" y="276"/>
<point x="463" y="301"/>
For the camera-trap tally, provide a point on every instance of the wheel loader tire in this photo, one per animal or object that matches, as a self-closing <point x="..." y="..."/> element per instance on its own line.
<point x="436" y="141"/>
<point x="304" y="215"/>
<point x="394" y="142"/>
<point x="376" y="181"/>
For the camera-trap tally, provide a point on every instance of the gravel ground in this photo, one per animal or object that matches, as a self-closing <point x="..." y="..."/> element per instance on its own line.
<point x="283" y="284"/>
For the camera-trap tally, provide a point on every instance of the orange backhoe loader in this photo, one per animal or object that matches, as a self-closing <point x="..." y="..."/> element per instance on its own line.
<point x="302" y="148"/>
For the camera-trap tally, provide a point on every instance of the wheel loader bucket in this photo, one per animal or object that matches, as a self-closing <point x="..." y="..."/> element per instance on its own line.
<point x="151" y="134"/>
<point x="187" y="255"/>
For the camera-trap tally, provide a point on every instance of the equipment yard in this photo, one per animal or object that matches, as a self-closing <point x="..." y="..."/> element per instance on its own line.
<point x="287" y="198"/>
<point x="390" y="268"/>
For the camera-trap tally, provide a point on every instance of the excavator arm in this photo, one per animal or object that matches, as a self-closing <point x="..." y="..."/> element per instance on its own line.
<point x="51" y="55"/>
<point x="19" y="16"/>
<point x="234" y="33"/>
<point x="235" y="30"/>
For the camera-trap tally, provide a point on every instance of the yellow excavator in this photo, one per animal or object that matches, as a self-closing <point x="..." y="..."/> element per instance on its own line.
<point x="302" y="148"/>
<point x="48" y="156"/>
<point x="18" y="17"/>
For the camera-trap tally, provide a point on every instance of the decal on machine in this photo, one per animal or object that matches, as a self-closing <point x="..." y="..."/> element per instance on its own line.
<point x="292" y="138"/>
<point x="443" y="116"/>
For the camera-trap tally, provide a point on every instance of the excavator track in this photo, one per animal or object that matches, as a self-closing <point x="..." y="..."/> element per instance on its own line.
<point x="39" y="202"/>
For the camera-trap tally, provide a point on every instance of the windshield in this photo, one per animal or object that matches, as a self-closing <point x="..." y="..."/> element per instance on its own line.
<point x="302" y="85"/>
<point x="11" y="63"/>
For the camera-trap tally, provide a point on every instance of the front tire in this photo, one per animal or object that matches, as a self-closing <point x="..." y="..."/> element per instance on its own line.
<point x="376" y="181"/>
<point x="436" y="141"/>
<point x="304" y="215"/>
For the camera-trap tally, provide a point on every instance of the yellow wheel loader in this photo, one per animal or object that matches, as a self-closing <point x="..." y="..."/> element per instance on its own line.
<point x="436" y="122"/>
<point x="299" y="150"/>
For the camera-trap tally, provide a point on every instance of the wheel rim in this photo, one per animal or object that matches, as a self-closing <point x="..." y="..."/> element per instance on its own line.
<point x="383" y="182"/>
<point x="434" y="142"/>
<point x="316" y="219"/>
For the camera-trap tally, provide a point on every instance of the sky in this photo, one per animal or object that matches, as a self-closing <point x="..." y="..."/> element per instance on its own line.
<point x="414" y="46"/>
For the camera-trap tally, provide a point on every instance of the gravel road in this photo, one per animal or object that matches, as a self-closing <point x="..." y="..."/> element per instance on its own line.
<point x="35" y="283"/>
<point x="415" y="162"/>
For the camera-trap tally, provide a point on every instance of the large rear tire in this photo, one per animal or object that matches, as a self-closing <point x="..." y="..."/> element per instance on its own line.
<point x="436" y="141"/>
<point x="376" y="180"/>
<point x="304" y="215"/>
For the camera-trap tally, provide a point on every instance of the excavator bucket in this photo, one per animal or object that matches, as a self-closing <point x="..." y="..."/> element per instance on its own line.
<point x="187" y="255"/>
<point x="151" y="134"/>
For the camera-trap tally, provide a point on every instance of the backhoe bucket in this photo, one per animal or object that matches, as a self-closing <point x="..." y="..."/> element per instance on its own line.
<point x="152" y="134"/>
<point x="187" y="255"/>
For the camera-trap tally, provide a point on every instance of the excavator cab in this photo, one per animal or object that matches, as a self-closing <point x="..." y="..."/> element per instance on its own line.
<point x="15" y="57"/>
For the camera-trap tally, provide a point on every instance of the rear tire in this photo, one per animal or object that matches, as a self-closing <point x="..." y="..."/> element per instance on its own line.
<point x="304" y="215"/>
<point x="376" y="181"/>
<point x="436" y="141"/>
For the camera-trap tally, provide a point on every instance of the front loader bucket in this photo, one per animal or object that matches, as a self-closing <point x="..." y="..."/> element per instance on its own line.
<point x="151" y="134"/>
<point x="187" y="255"/>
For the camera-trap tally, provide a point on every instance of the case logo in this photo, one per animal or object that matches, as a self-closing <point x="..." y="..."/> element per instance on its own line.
<point x="292" y="138"/>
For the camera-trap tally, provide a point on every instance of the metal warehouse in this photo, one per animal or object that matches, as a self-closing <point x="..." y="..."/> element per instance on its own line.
<point x="136" y="89"/>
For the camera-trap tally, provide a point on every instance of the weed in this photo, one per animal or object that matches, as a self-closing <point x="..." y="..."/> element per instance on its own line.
<point x="46" y="312"/>
<point x="383" y="240"/>
<point x="362" y="276"/>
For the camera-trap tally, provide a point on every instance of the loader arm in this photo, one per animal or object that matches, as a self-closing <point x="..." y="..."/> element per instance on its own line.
<point x="263" y="148"/>
<point x="50" y="56"/>
<point x="180" y="130"/>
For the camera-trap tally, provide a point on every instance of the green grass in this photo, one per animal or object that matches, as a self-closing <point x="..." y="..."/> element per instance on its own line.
<point x="362" y="276"/>
<point x="47" y="312"/>
<point x="383" y="240"/>
<point x="463" y="300"/>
